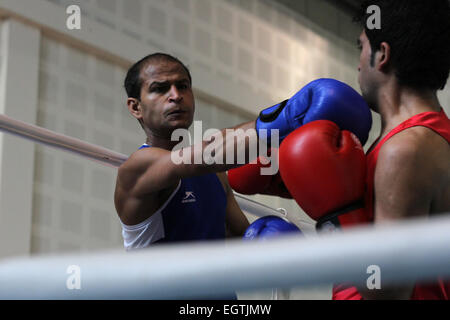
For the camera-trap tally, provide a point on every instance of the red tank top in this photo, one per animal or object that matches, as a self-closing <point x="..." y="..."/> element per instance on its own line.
<point x="439" y="123"/>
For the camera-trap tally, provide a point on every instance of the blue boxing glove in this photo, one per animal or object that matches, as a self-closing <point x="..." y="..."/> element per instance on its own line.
<point x="268" y="227"/>
<point x="322" y="99"/>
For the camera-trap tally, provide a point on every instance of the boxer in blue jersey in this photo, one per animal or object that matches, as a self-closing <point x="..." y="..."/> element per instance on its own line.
<point x="157" y="200"/>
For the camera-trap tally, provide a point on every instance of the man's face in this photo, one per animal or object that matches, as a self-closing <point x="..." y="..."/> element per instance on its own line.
<point x="366" y="71"/>
<point x="167" y="100"/>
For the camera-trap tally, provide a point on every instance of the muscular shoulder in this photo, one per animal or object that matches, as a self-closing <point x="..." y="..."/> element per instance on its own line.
<point x="411" y="167"/>
<point x="419" y="147"/>
<point x="137" y="164"/>
<point x="140" y="157"/>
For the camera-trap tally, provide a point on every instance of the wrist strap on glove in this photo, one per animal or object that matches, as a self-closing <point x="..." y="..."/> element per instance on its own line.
<point x="335" y="221"/>
<point x="271" y="116"/>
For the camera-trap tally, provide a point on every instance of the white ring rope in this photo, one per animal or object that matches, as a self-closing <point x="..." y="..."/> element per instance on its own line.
<point x="60" y="141"/>
<point x="407" y="251"/>
<point x="403" y="252"/>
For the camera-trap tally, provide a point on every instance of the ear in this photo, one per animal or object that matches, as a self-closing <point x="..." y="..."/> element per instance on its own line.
<point x="383" y="56"/>
<point x="134" y="107"/>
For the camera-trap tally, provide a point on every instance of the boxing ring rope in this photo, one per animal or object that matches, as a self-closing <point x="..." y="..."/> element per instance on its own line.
<point x="408" y="251"/>
<point x="403" y="252"/>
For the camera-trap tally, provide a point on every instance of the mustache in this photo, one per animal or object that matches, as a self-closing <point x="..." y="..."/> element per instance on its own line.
<point x="176" y="110"/>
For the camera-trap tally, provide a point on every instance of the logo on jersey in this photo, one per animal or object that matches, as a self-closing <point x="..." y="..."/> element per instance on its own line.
<point x="188" y="197"/>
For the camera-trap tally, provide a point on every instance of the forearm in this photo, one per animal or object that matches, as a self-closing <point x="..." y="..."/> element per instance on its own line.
<point x="224" y="150"/>
<point x="236" y="224"/>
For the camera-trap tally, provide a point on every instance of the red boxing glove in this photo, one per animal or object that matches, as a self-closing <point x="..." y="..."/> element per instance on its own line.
<point x="324" y="169"/>
<point x="247" y="179"/>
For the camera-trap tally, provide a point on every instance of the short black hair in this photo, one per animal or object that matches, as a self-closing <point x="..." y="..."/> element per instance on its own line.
<point x="418" y="32"/>
<point x="133" y="81"/>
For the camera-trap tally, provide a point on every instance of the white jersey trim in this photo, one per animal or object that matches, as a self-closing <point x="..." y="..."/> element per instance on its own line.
<point x="150" y="230"/>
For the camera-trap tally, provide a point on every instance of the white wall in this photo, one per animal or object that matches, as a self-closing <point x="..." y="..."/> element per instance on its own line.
<point x="80" y="96"/>
<point x="18" y="99"/>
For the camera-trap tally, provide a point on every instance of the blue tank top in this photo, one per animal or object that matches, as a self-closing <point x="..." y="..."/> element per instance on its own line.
<point x="196" y="211"/>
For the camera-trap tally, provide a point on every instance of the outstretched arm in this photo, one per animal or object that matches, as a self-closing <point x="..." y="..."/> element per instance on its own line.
<point x="152" y="169"/>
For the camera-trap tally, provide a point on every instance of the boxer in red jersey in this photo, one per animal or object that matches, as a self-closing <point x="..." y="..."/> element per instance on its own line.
<point x="402" y="65"/>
